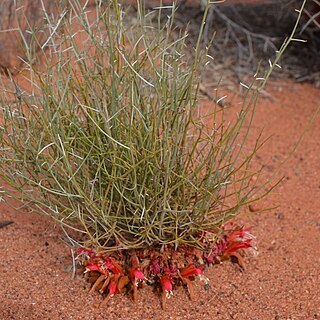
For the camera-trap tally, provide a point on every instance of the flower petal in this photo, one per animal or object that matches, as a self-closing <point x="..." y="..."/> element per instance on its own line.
<point x="139" y="274"/>
<point x="166" y="284"/>
<point x="191" y="270"/>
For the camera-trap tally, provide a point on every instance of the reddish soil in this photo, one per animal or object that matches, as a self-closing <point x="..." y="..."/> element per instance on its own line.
<point x="282" y="282"/>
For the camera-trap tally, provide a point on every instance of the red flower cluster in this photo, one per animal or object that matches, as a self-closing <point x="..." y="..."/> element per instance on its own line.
<point x="228" y="245"/>
<point x="166" y="267"/>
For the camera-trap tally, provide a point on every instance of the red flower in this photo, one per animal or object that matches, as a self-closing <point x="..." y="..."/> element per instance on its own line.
<point x="166" y="285"/>
<point x="235" y="241"/>
<point x="186" y="273"/>
<point x="135" y="275"/>
<point x="237" y="245"/>
<point x="191" y="270"/>
<point x="238" y="239"/>
<point x="93" y="267"/>
<point x="113" y="287"/>
<point x="138" y="274"/>
<point x="240" y="235"/>
<point x="113" y="266"/>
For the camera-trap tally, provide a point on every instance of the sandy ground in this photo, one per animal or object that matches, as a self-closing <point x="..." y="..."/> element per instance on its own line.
<point x="282" y="282"/>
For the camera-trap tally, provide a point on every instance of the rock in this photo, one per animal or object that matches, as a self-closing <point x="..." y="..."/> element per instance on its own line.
<point x="254" y="207"/>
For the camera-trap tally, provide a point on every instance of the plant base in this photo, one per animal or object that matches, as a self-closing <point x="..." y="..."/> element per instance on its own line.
<point x="165" y="267"/>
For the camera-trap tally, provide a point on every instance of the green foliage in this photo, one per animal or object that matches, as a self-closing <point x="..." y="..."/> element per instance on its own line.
<point x="112" y="141"/>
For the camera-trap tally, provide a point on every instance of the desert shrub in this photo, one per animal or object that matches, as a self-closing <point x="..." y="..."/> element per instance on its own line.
<point x="112" y="142"/>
